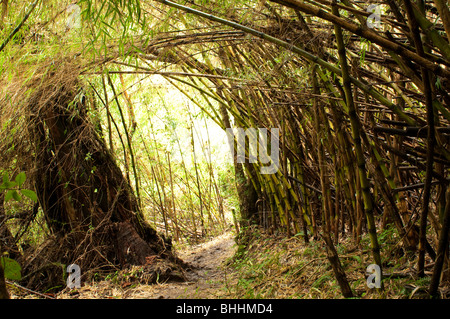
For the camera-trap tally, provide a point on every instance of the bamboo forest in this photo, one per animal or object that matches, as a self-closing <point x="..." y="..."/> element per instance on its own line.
<point x="227" y="149"/>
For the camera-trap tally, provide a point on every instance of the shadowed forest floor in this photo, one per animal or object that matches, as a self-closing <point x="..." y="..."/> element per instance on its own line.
<point x="271" y="266"/>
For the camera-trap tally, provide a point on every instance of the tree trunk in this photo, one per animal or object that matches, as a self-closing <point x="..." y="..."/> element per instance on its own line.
<point x="89" y="206"/>
<point x="245" y="189"/>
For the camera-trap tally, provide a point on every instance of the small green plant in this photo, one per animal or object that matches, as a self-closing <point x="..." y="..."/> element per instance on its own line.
<point x="321" y="280"/>
<point x="14" y="190"/>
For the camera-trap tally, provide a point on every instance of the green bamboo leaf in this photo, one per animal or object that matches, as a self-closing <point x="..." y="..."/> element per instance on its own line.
<point x="30" y="194"/>
<point x="99" y="12"/>
<point x="108" y="25"/>
<point x="138" y="11"/>
<point x="357" y="258"/>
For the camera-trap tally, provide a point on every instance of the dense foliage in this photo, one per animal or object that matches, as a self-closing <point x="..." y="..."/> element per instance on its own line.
<point x="357" y="90"/>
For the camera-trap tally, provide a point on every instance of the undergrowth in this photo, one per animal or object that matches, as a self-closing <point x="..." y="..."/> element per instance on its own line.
<point x="273" y="266"/>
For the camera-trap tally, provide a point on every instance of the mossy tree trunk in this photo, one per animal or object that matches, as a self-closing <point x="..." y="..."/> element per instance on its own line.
<point x="89" y="205"/>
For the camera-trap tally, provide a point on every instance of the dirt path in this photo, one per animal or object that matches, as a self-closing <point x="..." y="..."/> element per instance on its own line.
<point x="206" y="278"/>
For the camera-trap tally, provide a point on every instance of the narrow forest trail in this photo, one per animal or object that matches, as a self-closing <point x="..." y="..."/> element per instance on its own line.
<point x="207" y="277"/>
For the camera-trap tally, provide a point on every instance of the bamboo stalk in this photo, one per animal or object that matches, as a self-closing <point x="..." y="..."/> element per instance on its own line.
<point x="173" y="206"/>
<point x="356" y="135"/>
<point x="326" y="214"/>
<point x="306" y="55"/>
<point x="339" y="272"/>
<point x="108" y="113"/>
<point x="442" y="249"/>
<point x="363" y="32"/>
<point x="19" y="26"/>
<point x="129" y="144"/>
